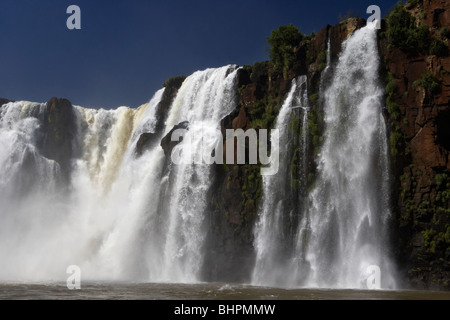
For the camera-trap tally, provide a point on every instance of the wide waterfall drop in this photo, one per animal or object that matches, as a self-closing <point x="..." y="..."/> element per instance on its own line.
<point x="48" y="225"/>
<point x="117" y="214"/>
<point x="271" y="240"/>
<point x="344" y="229"/>
<point x="122" y="205"/>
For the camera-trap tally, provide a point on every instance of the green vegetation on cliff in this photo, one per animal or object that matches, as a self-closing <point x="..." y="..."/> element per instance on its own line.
<point x="413" y="37"/>
<point x="437" y="237"/>
<point x="404" y="33"/>
<point x="421" y="185"/>
<point x="397" y="141"/>
<point x="429" y="83"/>
<point x="283" y="41"/>
<point x="174" y="82"/>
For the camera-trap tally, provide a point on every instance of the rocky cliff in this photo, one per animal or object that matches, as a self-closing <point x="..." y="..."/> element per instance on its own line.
<point x="418" y="119"/>
<point x="237" y="193"/>
<point x="417" y="99"/>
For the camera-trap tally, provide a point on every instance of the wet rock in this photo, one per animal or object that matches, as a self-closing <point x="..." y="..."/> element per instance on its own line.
<point x="145" y="141"/>
<point x="59" y="130"/>
<point x="4" y="101"/>
<point x="167" y="144"/>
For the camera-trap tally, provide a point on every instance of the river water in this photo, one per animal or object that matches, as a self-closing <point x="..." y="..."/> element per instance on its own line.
<point x="200" y="291"/>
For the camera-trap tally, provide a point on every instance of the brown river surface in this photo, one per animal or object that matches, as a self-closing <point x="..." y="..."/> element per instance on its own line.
<point x="200" y="291"/>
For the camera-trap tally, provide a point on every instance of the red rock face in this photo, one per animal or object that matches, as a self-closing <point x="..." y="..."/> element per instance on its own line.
<point x="341" y="31"/>
<point x="420" y="213"/>
<point x="437" y="13"/>
<point x="418" y="203"/>
<point x="238" y="188"/>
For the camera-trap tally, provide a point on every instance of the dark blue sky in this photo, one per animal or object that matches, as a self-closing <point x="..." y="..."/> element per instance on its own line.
<point x="127" y="49"/>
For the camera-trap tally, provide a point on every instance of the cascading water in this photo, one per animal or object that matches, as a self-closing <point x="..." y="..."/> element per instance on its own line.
<point x="123" y="216"/>
<point x="203" y="100"/>
<point x="123" y="191"/>
<point x="45" y="229"/>
<point x="344" y="229"/>
<point x="344" y="224"/>
<point x="20" y="132"/>
<point x="271" y="240"/>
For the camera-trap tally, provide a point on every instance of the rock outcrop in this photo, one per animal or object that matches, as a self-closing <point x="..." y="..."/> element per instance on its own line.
<point x="59" y="128"/>
<point x="148" y="139"/>
<point x="145" y="141"/>
<point x="4" y="101"/>
<point x="167" y="143"/>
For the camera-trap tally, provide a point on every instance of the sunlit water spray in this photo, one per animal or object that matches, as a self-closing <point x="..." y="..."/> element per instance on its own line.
<point x="203" y="100"/>
<point x="123" y="216"/>
<point x="271" y="239"/>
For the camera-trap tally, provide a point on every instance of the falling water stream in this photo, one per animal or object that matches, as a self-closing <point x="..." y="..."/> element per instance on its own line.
<point x="343" y="228"/>
<point x="271" y="239"/>
<point x="348" y="213"/>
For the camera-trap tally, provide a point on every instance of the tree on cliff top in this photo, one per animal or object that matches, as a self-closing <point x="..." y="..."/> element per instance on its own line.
<point x="403" y="32"/>
<point x="282" y="42"/>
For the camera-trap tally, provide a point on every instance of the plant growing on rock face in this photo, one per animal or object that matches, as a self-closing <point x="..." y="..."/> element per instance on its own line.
<point x="322" y="59"/>
<point x="445" y="32"/>
<point x="439" y="48"/>
<point x="429" y="83"/>
<point x="396" y="137"/>
<point x="283" y="41"/>
<point x="405" y="34"/>
<point x="174" y="82"/>
<point x="441" y="179"/>
<point x="411" y="3"/>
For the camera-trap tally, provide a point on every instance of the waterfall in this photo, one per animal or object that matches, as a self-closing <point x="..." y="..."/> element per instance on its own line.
<point x="121" y="216"/>
<point x="45" y="229"/>
<point x="119" y="207"/>
<point x="203" y="100"/>
<point x="344" y="217"/>
<point x="344" y="228"/>
<point x="271" y="240"/>
<point x="20" y="133"/>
